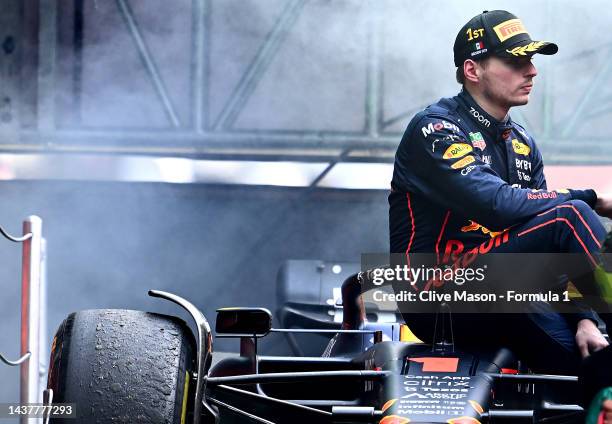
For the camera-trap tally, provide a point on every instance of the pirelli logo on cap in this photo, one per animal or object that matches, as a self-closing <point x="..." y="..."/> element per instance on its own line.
<point x="509" y="29"/>
<point x="463" y="162"/>
<point x="457" y="150"/>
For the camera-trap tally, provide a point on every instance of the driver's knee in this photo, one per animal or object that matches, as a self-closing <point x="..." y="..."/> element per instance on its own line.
<point x="581" y="209"/>
<point x="576" y="208"/>
<point x="577" y="216"/>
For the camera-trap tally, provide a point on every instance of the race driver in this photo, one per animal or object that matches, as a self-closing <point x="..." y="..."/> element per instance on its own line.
<point x="467" y="177"/>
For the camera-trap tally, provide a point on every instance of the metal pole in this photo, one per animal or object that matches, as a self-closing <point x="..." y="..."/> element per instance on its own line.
<point x="200" y="63"/>
<point x="297" y="145"/>
<point x="43" y="360"/>
<point x="147" y="60"/>
<point x="11" y="50"/>
<point x="329" y="167"/>
<point x="548" y="103"/>
<point x="116" y="140"/>
<point x="373" y="71"/>
<point x="259" y="65"/>
<point x="30" y="313"/>
<point x="77" y="65"/>
<point x="47" y="46"/>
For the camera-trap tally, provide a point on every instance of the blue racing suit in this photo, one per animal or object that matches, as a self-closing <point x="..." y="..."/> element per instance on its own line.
<point x="461" y="178"/>
<point x="460" y="174"/>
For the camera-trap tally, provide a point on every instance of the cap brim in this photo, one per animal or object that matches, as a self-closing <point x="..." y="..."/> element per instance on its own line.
<point x="529" y="48"/>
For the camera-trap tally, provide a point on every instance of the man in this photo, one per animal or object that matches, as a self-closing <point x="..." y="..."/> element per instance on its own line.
<point x="465" y="174"/>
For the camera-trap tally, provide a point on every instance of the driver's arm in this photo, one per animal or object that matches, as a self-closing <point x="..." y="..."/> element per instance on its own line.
<point x="588" y="337"/>
<point x="436" y="160"/>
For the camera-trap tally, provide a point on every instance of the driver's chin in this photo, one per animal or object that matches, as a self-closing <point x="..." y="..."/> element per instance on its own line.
<point x="523" y="100"/>
<point x="519" y="100"/>
<point x="510" y="99"/>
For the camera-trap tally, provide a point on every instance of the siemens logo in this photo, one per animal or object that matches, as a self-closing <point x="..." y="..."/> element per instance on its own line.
<point x="484" y="121"/>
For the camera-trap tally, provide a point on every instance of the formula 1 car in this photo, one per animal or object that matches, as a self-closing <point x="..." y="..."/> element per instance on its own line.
<point x="131" y="366"/>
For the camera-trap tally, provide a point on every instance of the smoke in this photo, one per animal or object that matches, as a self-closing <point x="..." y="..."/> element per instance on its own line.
<point x="219" y="246"/>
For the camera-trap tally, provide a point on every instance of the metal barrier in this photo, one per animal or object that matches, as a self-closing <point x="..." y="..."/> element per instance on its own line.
<point x="33" y="360"/>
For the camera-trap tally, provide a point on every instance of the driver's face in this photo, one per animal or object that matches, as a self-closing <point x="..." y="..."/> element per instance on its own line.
<point x="508" y="81"/>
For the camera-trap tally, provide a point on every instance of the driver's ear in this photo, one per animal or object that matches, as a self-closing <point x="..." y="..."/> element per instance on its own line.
<point x="472" y="71"/>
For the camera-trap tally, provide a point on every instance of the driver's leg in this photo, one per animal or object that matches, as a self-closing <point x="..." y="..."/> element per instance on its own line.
<point x="551" y="346"/>
<point x="542" y="338"/>
<point x="572" y="228"/>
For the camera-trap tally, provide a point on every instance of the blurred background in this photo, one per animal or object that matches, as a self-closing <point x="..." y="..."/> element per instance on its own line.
<point x="195" y="146"/>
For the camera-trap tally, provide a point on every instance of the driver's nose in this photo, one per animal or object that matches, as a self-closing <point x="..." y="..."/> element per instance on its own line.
<point x="530" y="70"/>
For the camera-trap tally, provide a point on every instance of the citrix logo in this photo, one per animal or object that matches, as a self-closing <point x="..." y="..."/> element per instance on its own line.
<point x="479" y="117"/>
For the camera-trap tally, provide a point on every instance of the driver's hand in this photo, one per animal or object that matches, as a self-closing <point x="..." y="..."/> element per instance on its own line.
<point x="589" y="338"/>
<point x="604" y="205"/>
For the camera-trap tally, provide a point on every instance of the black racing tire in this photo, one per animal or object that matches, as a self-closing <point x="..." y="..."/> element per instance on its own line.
<point x="122" y="366"/>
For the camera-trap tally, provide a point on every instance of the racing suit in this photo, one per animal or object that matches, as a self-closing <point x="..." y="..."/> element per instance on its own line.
<point x="462" y="178"/>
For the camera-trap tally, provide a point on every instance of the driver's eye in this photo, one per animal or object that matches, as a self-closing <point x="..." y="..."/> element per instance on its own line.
<point x="518" y="63"/>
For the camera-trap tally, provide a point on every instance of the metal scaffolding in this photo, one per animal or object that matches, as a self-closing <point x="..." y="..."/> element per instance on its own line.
<point x="204" y="136"/>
